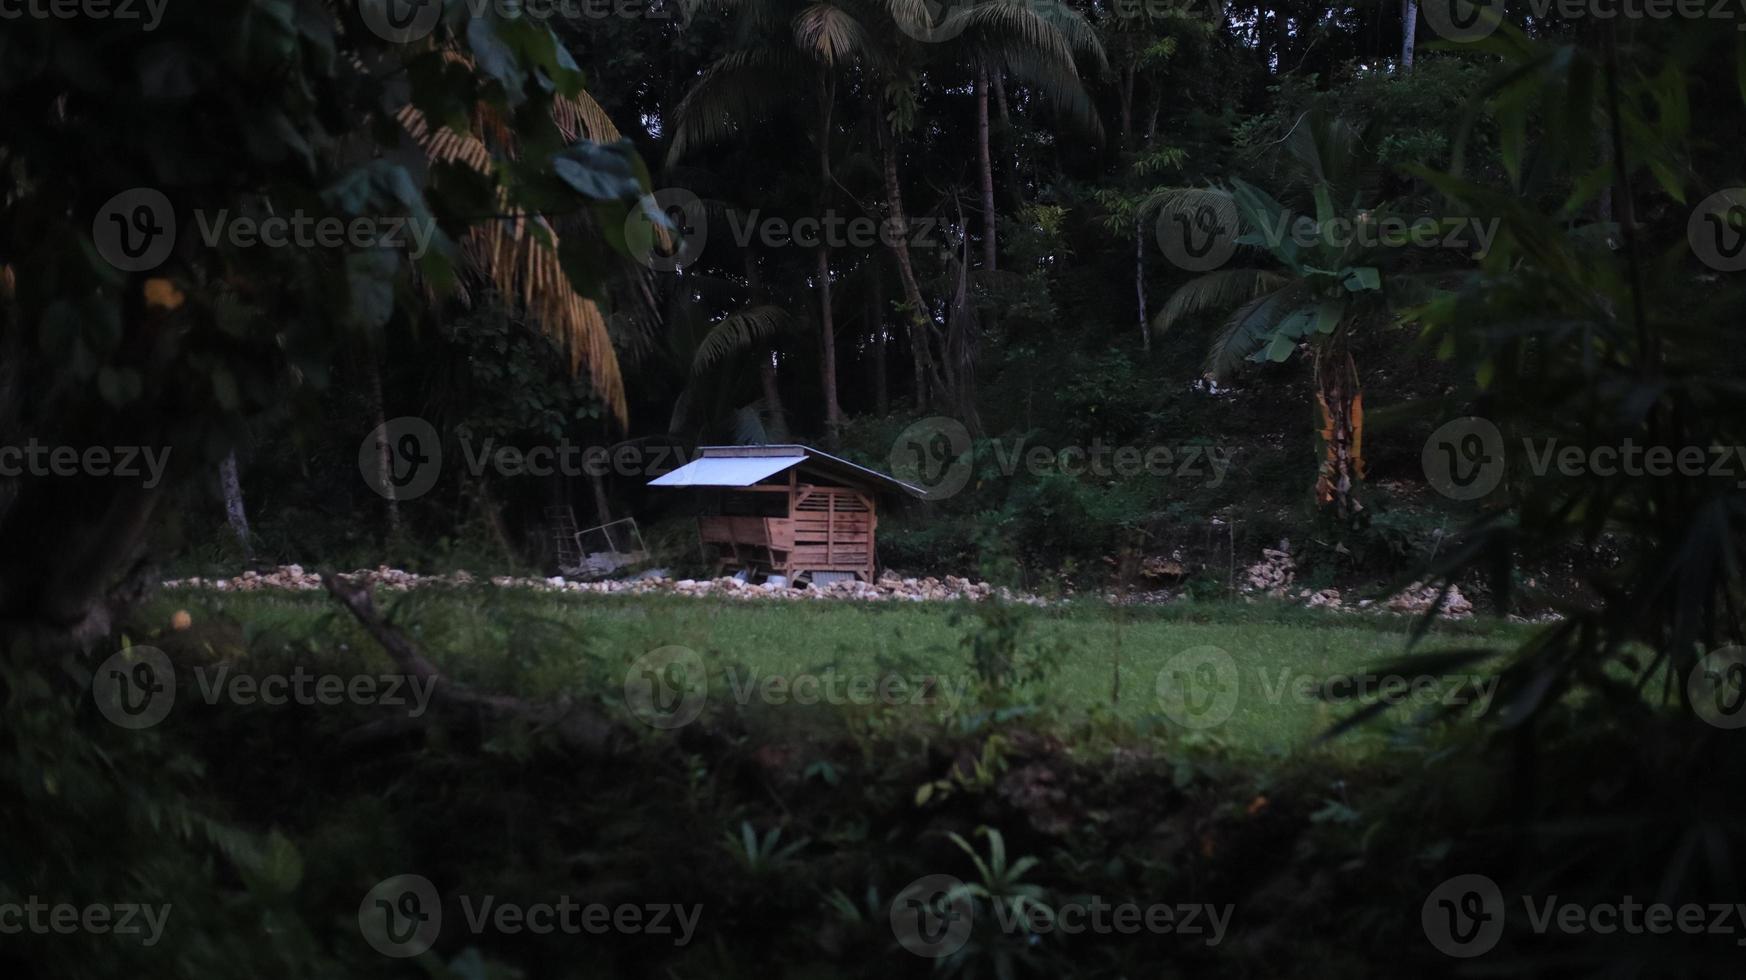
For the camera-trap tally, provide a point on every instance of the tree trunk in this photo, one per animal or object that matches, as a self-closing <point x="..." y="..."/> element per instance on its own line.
<point x="1140" y="280"/>
<point x="828" y="347"/>
<point x="1127" y="107"/>
<point x="1409" y="15"/>
<point x="602" y="503"/>
<point x="919" y="319"/>
<point x="233" y="505"/>
<point x="985" y="170"/>
<point x="827" y="328"/>
<point x="778" y="417"/>
<point x="384" y="453"/>
<point x="876" y="320"/>
<point x="1341" y="400"/>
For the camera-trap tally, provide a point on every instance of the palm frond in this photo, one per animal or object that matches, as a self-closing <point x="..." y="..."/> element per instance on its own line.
<point x="1056" y="82"/>
<point x="998" y="29"/>
<point x="1249" y="325"/>
<point x="518" y="254"/>
<point x="1219" y="290"/>
<point x="829" y="34"/>
<point x="582" y="118"/>
<point x="739" y="331"/>
<point x="741" y="88"/>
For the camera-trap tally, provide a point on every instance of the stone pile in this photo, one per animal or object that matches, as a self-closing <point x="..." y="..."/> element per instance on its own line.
<point x="1273" y="574"/>
<point x="889" y="587"/>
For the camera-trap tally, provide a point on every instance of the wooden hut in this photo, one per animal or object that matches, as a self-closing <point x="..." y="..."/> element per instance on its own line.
<point x="787" y="510"/>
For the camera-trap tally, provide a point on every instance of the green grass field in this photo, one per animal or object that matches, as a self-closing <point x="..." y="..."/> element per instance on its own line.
<point x="768" y="660"/>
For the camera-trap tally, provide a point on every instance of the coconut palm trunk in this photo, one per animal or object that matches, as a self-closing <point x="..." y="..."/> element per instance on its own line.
<point x="985" y="169"/>
<point x="827" y="326"/>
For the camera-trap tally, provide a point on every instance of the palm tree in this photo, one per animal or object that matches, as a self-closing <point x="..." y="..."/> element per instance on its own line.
<point x="517" y="253"/>
<point x="817" y="40"/>
<point x="1037" y="43"/>
<point x="1317" y="295"/>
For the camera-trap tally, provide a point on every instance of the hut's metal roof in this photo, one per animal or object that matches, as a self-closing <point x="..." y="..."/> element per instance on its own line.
<point x="742" y="466"/>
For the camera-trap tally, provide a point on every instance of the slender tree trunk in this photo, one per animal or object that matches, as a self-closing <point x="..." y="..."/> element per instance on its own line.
<point x="828" y="343"/>
<point x="985" y="170"/>
<point x="876" y="320"/>
<point x="233" y="505"/>
<point x="827" y="328"/>
<point x="602" y="503"/>
<point x="778" y="426"/>
<point x="773" y="408"/>
<point x="1140" y="280"/>
<point x="384" y="453"/>
<point x="919" y="320"/>
<point x="1409" y="15"/>
<point x="1127" y="107"/>
<point x="1009" y="158"/>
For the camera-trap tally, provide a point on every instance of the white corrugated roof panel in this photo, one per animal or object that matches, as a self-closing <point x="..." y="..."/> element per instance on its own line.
<point x="726" y="471"/>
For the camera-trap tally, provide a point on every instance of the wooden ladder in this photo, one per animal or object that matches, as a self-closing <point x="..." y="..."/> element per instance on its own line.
<point x="562" y="522"/>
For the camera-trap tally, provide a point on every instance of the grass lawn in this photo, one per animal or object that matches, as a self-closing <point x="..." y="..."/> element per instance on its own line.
<point x="1242" y="675"/>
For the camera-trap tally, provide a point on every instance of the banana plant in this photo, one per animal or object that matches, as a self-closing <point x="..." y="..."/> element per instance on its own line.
<point x="1328" y="276"/>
